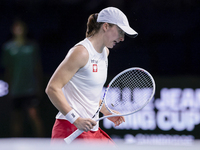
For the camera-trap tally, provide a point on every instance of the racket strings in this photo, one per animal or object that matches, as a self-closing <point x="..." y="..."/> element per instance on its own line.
<point x="129" y="92"/>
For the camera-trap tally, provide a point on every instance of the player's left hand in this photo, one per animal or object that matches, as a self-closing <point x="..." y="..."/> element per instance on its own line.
<point x="118" y="119"/>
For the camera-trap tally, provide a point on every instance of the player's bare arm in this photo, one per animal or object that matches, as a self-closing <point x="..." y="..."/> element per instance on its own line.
<point x="75" y="59"/>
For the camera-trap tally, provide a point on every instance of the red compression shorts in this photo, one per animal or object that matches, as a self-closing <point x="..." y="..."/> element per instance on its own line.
<point x="63" y="128"/>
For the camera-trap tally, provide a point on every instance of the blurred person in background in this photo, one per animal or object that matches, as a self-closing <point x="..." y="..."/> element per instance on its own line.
<point x="23" y="72"/>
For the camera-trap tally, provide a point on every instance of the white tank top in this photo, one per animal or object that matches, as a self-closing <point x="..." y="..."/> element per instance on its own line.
<point x="84" y="89"/>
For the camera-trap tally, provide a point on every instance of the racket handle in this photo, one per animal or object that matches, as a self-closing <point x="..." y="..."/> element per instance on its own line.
<point x="72" y="136"/>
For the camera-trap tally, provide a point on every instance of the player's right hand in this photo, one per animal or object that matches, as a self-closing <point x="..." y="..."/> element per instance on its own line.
<point x="85" y="124"/>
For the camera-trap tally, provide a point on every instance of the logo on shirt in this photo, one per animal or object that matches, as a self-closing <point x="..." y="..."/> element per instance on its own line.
<point x="94" y="61"/>
<point x="95" y="68"/>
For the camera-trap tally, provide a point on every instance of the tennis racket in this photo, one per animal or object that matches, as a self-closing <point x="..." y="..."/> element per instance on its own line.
<point x="127" y="93"/>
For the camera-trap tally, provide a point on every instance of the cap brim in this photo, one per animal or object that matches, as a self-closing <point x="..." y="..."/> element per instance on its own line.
<point x="129" y="31"/>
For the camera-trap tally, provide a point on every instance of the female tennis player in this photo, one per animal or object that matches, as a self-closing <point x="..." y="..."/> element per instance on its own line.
<point x="76" y="85"/>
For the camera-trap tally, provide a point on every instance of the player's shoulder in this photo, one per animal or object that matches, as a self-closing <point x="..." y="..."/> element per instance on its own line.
<point x="80" y="50"/>
<point x="78" y="54"/>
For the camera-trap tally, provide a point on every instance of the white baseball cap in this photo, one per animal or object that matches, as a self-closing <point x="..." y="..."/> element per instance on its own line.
<point x="115" y="16"/>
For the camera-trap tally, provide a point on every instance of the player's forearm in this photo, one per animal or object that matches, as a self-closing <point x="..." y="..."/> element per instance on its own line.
<point x="57" y="98"/>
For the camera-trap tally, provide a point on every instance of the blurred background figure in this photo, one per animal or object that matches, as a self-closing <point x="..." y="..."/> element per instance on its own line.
<point x="23" y="72"/>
